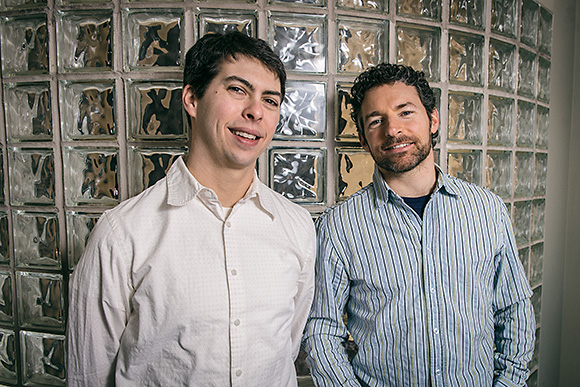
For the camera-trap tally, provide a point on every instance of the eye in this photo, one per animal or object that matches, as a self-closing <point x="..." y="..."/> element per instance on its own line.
<point x="375" y="122"/>
<point x="236" y="89"/>
<point x="406" y="113"/>
<point x="271" y="101"/>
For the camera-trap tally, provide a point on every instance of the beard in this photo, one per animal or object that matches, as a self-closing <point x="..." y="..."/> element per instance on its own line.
<point x="403" y="162"/>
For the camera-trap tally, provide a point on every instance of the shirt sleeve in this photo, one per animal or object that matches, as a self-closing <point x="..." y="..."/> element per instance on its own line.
<point x="513" y="313"/>
<point x="325" y="329"/>
<point x="99" y="309"/>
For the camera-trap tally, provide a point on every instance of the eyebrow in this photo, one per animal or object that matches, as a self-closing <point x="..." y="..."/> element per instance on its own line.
<point x="250" y="86"/>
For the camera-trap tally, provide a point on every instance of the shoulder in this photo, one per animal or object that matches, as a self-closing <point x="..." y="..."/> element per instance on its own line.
<point x="358" y="203"/>
<point x="283" y="207"/>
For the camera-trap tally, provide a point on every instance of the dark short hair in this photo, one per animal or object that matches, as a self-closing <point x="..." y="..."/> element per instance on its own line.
<point x="388" y="74"/>
<point x="204" y="59"/>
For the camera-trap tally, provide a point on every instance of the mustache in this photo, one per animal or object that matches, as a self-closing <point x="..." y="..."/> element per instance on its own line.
<point x="392" y="141"/>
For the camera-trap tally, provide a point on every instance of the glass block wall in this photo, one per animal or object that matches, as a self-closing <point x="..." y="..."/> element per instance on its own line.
<point x="91" y="95"/>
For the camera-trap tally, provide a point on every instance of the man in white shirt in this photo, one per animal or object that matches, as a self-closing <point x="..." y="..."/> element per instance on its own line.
<point x="206" y="278"/>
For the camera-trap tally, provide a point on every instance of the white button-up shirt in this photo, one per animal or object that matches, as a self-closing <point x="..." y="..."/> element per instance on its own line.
<point x="175" y="290"/>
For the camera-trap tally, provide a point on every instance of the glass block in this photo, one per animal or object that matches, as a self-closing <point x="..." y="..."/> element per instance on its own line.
<point x="537" y="262"/>
<point x="91" y="176"/>
<point x="465" y="164"/>
<point x="298" y="174"/>
<point x="501" y="65"/>
<point x="6" y="297"/>
<point x="149" y="165"/>
<point x="28" y="111"/>
<point x="498" y="173"/>
<point x="503" y="17"/>
<point x="299" y="41"/>
<point x="419" y="47"/>
<point x="466" y="58"/>
<point x="300" y="2"/>
<point x="538" y="212"/>
<point x="529" y="23"/>
<point x="79" y="227"/>
<point x="4" y="239"/>
<point x="522" y="222"/>
<point x="544" y="80"/>
<point x="524" y="174"/>
<point x="84" y="40"/>
<point x="541" y="172"/>
<point x="36" y="240"/>
<point x="543" y="119"/>
<point x="40" y="300"/>
<point x="355" y="171"/>
<point x="222" y="21"/>
<point x="524" y="255"/>
<point x="8" y="356"/>
<point x="500" y="124"/>
<point x="465" y="118"/>
<point x="470" y="13"/>
<point x="345" y="126"/>
<point x="545" y="31"/>
<point x="429" y="9"/>
<point x="24" y="44"/>
<point x="87" y="110"/>
<point x="303" y="112"/>
<point x="22" y="3"/>
<point x="526" y="118"/>
<point x="2" y="196"/>
<point x="363" y="5"/>
<point x="154" y="38"/>
<point x="533" y="364"/>
<point x="537" y="304"/>
<point x="361" y="44"/>
<point x="527" y="73"/>
<point x="43" y="358"/>
<point x="154" y="110"/>
<point x="32" y="176"/>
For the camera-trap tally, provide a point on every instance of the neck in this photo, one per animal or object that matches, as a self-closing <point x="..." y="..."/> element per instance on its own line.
<point x="419" y="181"/>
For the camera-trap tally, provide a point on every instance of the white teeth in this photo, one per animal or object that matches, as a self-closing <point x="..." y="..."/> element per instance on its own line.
<point x="244" y="135"/>
<point x="399" y="146"/>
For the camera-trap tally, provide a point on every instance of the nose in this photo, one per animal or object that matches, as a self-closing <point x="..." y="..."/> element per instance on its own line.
<point x="253" y="110"/>
<point x="392" y="127"/>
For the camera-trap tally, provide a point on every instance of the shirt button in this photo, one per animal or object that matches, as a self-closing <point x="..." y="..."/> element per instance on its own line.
<point x="436" y="331"/>
<point x="432" y="290"/>
<point x="237" y="322"/>
<point x="228" y="224"/>
<point x="437" y="372"/>
<point x="234" y="272"/>
<point x="239" y="373"/>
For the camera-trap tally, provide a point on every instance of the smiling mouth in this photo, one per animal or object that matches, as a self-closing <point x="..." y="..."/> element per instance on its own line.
<point x="245" y="135"/>
<point x="398" y="146"/>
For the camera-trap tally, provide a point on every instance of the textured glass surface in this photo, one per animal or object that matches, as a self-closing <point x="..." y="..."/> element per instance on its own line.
<point x="500" y="124"/>
<point x="536" y="304"/>
<point x="32" y="176"/>
<point x="298" y="174"/>
<point x="501" y="65"/>
<point x="299" y="41"/>
<point x="543" y="124"/>
<point x="24" y="44"/>
<point x="222" y="21"/>
<point x="527" y="73"/>
<point x="345" y="126"/>
<point x="303" y="112"/>
<point x="522" y="222"/>
<point x="370" y="5"/>
<point x="544" y="80"/>
<point x="149" y="165"/>
<point x="79" y="226"/>
<point x="8" y="356"/>
<point x="430" y="9"/>
<point x="524" y="255"/>
<point x="540" y="175"/>
<point x="524" y="174"/>
<point x="419" y="47"/>
<point x="503" y="17"/>
<point x="4" y="239"/>
<point x="155" y="110"/>
<point x="538" y="212"/>
<point x="465" y="118"/>
<point x="90" y="176"/>
<point x="529" y="23"/>
<point x="526" y="118"/>
<point x="6" y="299"/>
<point x="467" y="12"/>
<point x="28" y="111"/>
<point x="498" y="173"/>
<point x="533" y="364"/>
<point x="15" y="3"/>
<point x="545" y="31"/>
<point x="40" y="300"/>
<point x="537" y="262"/>
<point x="465" y="164"/>
<point x="305" y="2"/>
<point x="84" y="40"/>
<point x="466" y="58"/>
<point x="43" y="358"/>
<point x="355" y="170"/>
<point x="36" y="239"/>
<point x="360" y="44"/>
<point x="87" y="110"/>
<point x="2" y="196"/>
<point x="154" y="38"/>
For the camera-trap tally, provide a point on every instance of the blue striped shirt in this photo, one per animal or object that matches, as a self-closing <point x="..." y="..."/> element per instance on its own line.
<point x="438" y="301"/>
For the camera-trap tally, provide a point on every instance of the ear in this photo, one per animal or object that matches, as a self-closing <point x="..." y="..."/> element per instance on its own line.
<point x="189" y="101"/>
<point x="434" y="120"/>
<point x="363" y="142"/>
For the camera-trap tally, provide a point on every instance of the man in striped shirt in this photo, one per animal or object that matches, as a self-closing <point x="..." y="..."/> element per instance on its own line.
<point x="423" y="265"/>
